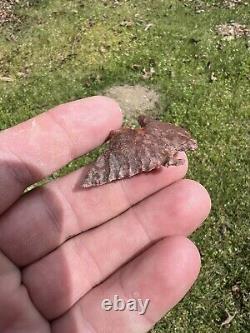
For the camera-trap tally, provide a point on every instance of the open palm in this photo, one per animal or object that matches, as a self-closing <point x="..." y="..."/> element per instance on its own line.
<point x="64" y="249"/>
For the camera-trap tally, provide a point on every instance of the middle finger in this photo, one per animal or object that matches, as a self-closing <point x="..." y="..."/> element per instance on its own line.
<point x="44" y="218"/>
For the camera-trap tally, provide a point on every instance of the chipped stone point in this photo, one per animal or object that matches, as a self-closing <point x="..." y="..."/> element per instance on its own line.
<point x="133" y="151"/>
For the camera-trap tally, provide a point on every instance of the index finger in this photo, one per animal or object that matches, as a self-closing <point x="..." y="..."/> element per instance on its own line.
<point x="37" y="147"/>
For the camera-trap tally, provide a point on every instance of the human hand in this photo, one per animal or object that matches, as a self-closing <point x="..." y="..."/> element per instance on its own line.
<point x="64" y="249"/>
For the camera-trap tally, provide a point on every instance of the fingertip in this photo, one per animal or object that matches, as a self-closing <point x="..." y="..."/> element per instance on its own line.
<point x="191" y="205"/>
<point x="200" y="194"/>
<point x="179" y="170"/>
<point x="191" y="255"/>
<point x="183" y="156"/>
<point x="89" y="109"/>
<point x="185" y="257"/>
<point x="174" y="262"/>
<point x="107" y="105"/>
<point x="105" y="101"/>
<point x="206" y="198"/>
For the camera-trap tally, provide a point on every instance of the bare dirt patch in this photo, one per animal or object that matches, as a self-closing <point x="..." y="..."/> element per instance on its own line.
<point x="135" y="100"/>
<point x="8" y="8"/>
<point x="7" y="11"/>
<point x="231" y="31"/>
<point x="201" y="6"/>
<point x="233" y="3"/>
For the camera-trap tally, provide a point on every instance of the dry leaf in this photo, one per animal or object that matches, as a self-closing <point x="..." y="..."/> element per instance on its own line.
<point x="228" y="320"/>
<point x="6" y="79"/>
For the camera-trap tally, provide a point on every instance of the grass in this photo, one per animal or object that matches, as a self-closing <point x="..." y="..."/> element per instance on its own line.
<point x="62" y="50"/>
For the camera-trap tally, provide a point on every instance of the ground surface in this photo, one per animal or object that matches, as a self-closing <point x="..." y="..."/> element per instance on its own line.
<point x="55" y="51"/>
<point x="135" y="100"/>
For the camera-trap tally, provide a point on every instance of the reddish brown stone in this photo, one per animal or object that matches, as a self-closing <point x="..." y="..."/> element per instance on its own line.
<point x="133" y="151"/>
